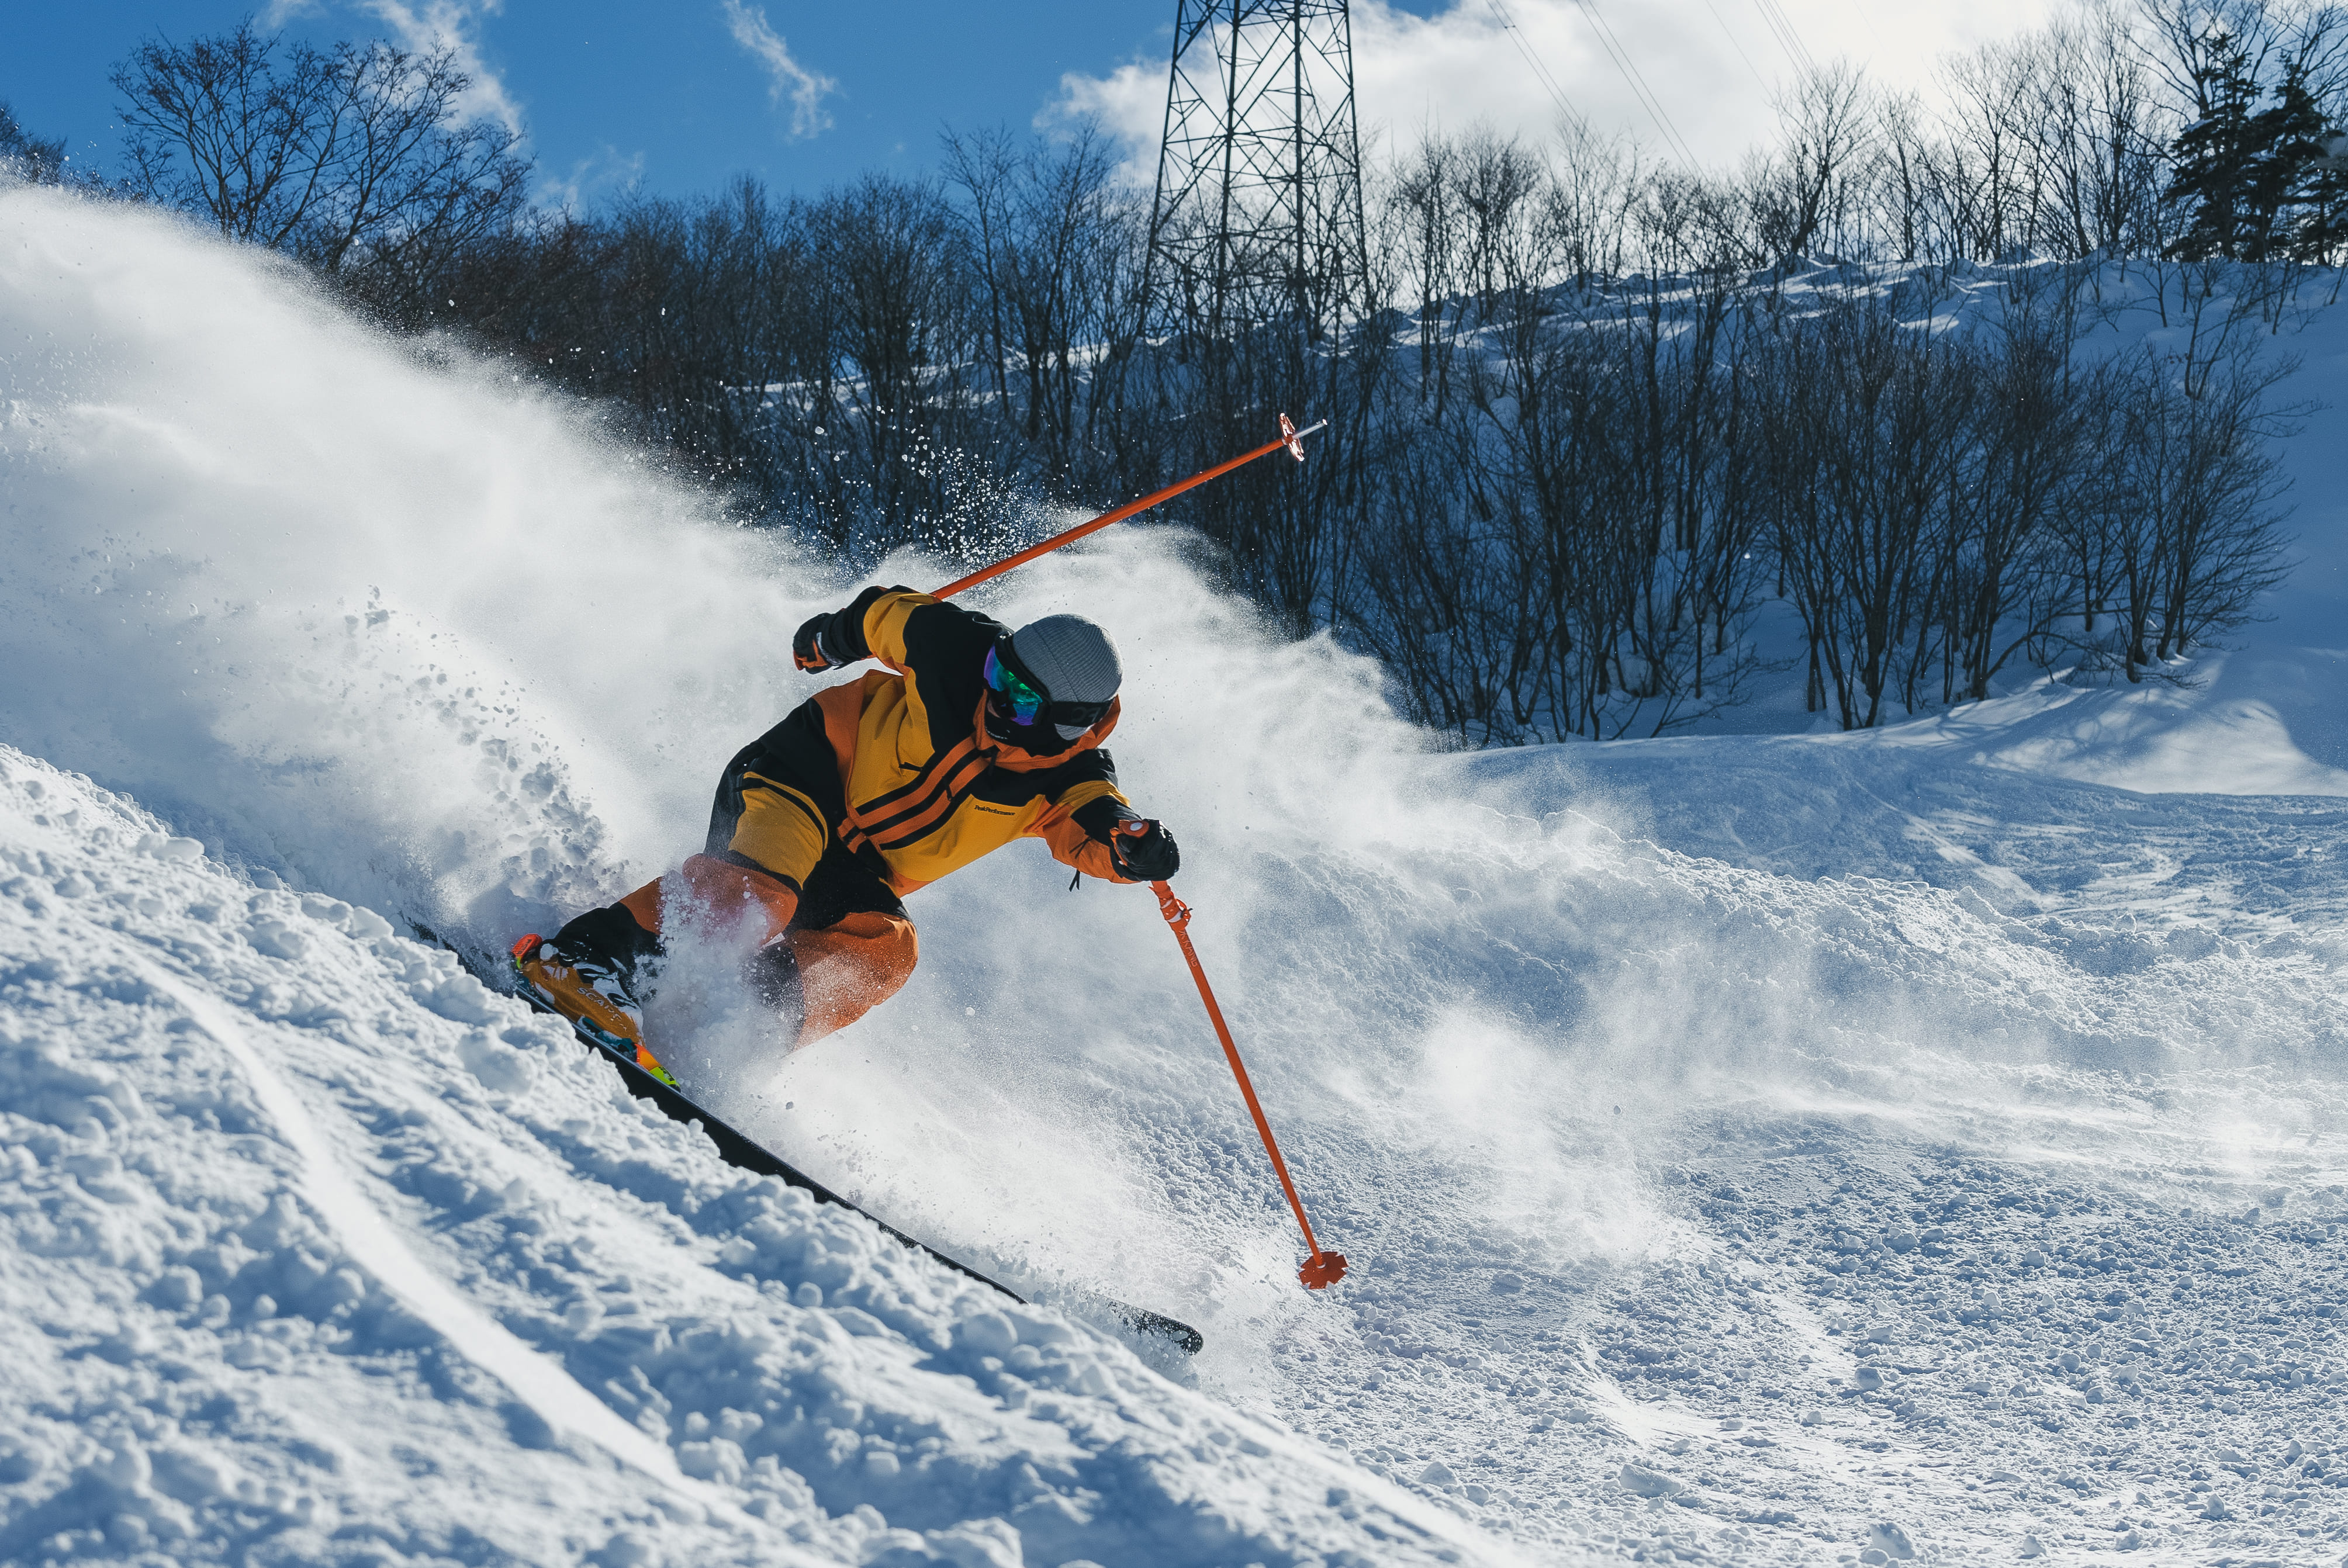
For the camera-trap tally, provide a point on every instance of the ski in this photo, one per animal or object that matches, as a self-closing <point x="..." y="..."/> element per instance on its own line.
<point x="744" y="1152"/>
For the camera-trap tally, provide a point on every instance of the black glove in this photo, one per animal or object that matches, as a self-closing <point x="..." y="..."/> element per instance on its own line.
<point x="1144" y="851"/>
<point x="806" y="648"/>
<point x="828" y="641"/>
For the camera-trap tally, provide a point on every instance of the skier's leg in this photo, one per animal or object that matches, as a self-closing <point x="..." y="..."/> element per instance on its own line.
<point x="615" y="952"/>
<point x="777" y="806"/>
<point x="724" y="922"/>
<point x="848" y="968"/>
<point x="726" y="918"/>
<point x="777" y="809"/>
<point x="705" y="891"/>
<point x="849" y="949"/>
<point x="774" y="821"/>
<point x="615" y="933"/>
<point x="731" y="899"/>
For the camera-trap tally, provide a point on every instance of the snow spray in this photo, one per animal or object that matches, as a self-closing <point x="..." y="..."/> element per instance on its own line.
<point x="381" y="619"/>
<point x="1322" y="1269"/>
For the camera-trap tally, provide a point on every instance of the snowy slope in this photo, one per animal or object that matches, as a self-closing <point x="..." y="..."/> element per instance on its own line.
<point x="1751" y="1147"/>
<point x="316" y="1252"/>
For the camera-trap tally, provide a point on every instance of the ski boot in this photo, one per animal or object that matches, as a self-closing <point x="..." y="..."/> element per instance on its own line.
<point x="595" y="994"/>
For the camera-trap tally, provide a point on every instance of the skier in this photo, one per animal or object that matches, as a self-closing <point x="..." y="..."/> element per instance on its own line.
<point x="972" y="737"/>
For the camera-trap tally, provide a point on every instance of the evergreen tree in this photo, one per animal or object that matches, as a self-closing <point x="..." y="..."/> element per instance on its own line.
<point x="2213" y="159"/>
<point x="2300" y="186"/>
<point x="2256" y="183"/>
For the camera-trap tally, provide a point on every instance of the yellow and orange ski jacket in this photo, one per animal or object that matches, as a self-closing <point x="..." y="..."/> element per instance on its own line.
<point x="921" y="783"/>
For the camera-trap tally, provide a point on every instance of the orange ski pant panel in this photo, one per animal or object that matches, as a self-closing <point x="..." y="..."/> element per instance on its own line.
<point x="849" y="967"/>
<point x="731" y="896"/>
<point x="717" y="893"/>
<point x="644" y="905"/>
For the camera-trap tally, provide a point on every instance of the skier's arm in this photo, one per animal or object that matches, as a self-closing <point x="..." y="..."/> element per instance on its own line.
<point x="839" y="637"/>
<point x="1079" y="824"/>
<point x="940" y="647"/>
<point x="1094" y="829"/>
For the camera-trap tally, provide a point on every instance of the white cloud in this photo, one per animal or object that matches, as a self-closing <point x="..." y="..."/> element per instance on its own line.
<point x="453" y="25"/>
<point x="1712" y="66"/>
<point x="806" y="89"/>
<point x="605" y="172"/>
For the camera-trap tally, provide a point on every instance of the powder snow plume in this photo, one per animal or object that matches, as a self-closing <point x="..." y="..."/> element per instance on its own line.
<point x="1602" y="1063"/>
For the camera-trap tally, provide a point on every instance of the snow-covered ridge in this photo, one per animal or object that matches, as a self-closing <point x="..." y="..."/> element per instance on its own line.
<point x="315" y="1247"/>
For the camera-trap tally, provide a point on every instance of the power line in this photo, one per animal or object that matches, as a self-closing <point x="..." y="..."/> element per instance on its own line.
<point x="1637" y="83"/>
<point x="1736" y="45"/>
<point x="1781" y="27"/>
<point x="1540" y="72"/>
<point x="1787" y="36"/>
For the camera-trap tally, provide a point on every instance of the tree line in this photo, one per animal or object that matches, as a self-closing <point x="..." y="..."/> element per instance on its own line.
<point x="1595" y="420"/>
<point x="1583" y="526"/>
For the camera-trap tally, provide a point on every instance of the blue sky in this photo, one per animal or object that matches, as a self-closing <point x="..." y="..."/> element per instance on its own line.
<point x="680" y="97"/>
<point x="607" y="89"/>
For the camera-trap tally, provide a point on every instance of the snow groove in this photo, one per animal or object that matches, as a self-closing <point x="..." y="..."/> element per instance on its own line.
<point x="535" y="1378"/>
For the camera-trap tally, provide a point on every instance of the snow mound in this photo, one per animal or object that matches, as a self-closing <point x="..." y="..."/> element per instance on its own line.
<point x="2217" y="735"/>
<point x="317" y="1251"/>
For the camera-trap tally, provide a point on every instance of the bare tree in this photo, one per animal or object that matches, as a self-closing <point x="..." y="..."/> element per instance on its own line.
<point x="2206" y="479"/>
<point x="1500" y="185"/>
<point x="232" y="128"/>
<point x="984" y="163"/>
<point x="29" y="157"/>
<point x="409" y="181"/>
<point x="1595" y="193"/>
<point x="892" y="255"/>
<point x="354" y="158"/>
<point x="2107" y="162"/>
<point x="1999" y="141"/>
<point x="2030" y="456"/>
<point x="1065" y="223"/>
<point x="1804" y="196"/>
<point x="1868" y="426"/>
<point x="1424" y="208"/>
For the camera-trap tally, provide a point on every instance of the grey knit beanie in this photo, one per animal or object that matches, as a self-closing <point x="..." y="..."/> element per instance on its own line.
<point x="1073" y="658"/>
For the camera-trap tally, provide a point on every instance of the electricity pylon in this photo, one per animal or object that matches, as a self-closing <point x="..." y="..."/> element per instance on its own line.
<point x="1258" y="217"/>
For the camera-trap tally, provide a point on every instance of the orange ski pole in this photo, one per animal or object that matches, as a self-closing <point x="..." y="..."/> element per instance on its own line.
<point x="1290" y="436"/>
<point x="1322" y="1268"/>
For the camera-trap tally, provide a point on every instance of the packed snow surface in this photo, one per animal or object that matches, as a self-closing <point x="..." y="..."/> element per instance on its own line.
<point x="320" y="1252"/>
<point x="1760" y="1148"/>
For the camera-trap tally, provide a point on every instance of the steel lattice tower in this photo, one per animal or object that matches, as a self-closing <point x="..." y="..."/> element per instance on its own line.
<point x="1258" y="216"/>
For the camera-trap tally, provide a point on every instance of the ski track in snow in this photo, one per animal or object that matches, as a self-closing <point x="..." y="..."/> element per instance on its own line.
<point x="1761" y="1149"/>
<point x="352" y="1221"/>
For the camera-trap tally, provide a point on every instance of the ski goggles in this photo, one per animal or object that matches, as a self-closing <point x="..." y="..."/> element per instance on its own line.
<point x="1030" y="703"/>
